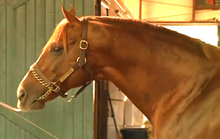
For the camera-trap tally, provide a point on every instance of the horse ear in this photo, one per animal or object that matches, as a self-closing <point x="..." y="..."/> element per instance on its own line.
<point x="72" y="10"/>
<point x="73" y="20"/>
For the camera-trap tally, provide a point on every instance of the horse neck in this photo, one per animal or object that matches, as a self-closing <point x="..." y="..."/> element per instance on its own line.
<point x="120" y="56"/>
<point x="149" y="77"/>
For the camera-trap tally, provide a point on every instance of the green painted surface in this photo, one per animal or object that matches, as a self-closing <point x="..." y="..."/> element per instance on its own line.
<point x="18" y="125"/>
<point x="25" y="27"/>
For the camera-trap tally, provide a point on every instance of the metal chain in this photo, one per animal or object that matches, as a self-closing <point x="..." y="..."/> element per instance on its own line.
<point x="43" y="83"/>
<point x="38" y="78"/>
<point x="45" y="95"/>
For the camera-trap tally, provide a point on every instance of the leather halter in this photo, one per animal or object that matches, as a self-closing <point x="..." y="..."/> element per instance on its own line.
<point x="80" y="63"/>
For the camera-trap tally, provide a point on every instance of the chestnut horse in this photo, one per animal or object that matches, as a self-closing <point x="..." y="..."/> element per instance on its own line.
<point x="172" y="78"/>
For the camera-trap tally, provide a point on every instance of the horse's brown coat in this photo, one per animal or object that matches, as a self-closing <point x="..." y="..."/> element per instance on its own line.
<point x="173" y="79"/>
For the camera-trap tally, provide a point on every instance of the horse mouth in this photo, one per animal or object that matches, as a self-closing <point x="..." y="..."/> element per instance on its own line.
<point x="37" y="105"/>
<point x="34" y="101"/>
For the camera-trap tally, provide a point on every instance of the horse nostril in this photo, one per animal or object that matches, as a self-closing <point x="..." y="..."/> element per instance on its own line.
<point x="21" y="95"/>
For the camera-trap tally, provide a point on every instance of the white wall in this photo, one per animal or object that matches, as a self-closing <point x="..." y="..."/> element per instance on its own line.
<point x="164" y="12"/>
<point x="208" y="34"/>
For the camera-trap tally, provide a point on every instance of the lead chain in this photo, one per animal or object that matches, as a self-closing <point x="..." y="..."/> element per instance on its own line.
<point x="38" y="78"/>
<point x="45" y="95"/>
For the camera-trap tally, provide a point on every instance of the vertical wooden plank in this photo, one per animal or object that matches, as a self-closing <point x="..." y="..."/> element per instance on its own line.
<point x="30" y="136"/>
<point x="78" y="117"/>
<point x="11" y="64"/>
<point x="17" y="1"/>
<point x="2" y="127"/>
<point x="88" y="119"/>
<point x="50" y="18"/>
<point x="30" y="34"/>
<point x="12" y="2"/>
<point x="10" y="130"/>
<point x="20" y="57"/>
<point x="79" y="7"/>
<point x="33" y="137"/>
<point x="20" y="53"/>
<point x="3" y="50"/>
<point x="2" y="2"/>
<point x="22" y="134"/>
<point x="40" y="26"/>
<point x="13" y="77"/>
<point x="19" y="132"/>
<point x="53" y="117"/>
<point x="89" y="7"/>
<point x="69" y="114"/>
<point x="27" y="135"/>
<point x="11" y="57"/>
<point x="20" y="42"/>
<point x="68" y="4"/>
<point x="3" y="58"/>
<point x="58" y="12"/>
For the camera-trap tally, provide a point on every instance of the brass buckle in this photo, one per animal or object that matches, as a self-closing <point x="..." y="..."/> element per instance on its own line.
<point x="78" y="59"/>
<point x="85" y="46"/>
<point x="54" y="87"/>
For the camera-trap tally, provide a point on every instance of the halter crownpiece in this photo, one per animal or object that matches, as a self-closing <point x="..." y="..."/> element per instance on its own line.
<point x="80" y="62"/>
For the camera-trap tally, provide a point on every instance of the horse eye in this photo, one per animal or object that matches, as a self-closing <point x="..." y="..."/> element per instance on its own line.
<point x="58" y="49"/>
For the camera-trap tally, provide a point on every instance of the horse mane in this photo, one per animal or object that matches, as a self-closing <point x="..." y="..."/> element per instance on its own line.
<point x="155" y="27"/>
<point x="192" y="45"/>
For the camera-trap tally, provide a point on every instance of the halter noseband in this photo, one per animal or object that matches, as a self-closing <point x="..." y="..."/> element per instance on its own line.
<point x="81" y="61"/>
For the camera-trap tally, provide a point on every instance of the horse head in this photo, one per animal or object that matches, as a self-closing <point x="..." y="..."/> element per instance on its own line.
<point x="60" y="66"/>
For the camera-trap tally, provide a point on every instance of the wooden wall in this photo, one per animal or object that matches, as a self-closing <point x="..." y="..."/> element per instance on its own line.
<point x="25" y="27"/>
